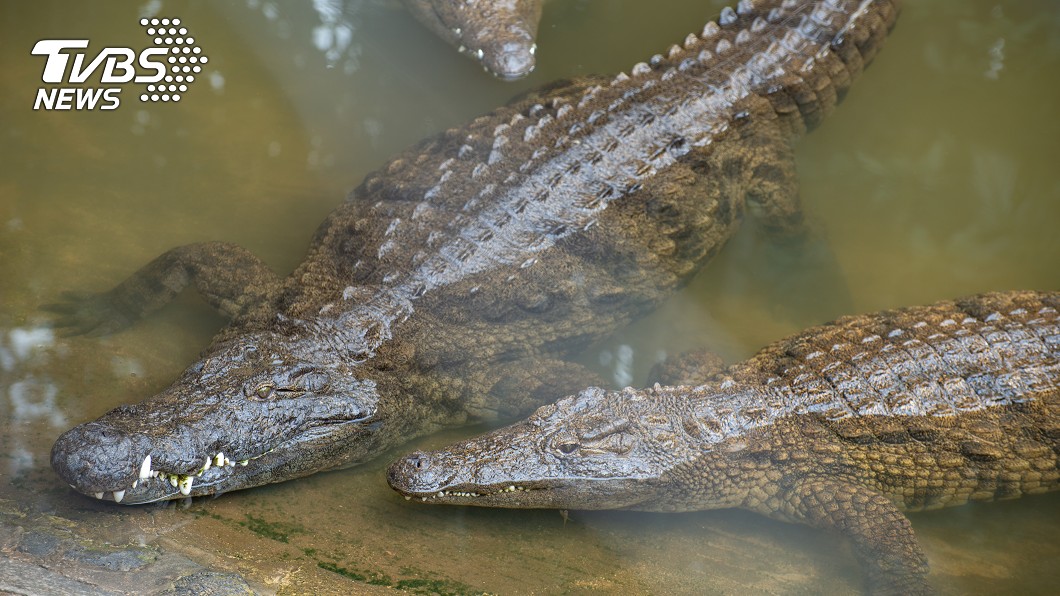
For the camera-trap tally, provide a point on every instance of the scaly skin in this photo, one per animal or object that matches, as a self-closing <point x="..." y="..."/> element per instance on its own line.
<point x="453" y="283"/>
<point x="499" y="34"/>
<point x="842" y="426"/>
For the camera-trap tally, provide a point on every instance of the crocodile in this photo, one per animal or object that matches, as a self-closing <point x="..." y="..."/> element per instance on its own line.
<point x="842" y="426"/>
<point x="456" y="281"/>
<point x="500" y="35"/>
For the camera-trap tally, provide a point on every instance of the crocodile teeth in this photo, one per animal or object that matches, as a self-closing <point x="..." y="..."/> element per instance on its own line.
<point x="118" y="496"/>
<point x="97" y="495"/>
<point x="244" y="462"/>
<point x="135" y="483"/>
<point x="219" y="459"/>
<point x="145" y="468"/>
<point x="206" y="466"/>
<point x="408" y="498"/>
<point x="173" y="480"/>
<point x="185" y="485"/>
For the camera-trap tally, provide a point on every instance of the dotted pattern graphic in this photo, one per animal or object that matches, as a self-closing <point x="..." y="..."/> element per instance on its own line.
<point x="185" y="59"/>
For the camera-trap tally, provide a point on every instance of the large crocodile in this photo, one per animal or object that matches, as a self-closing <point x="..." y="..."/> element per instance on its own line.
<point x="500" y="35"/>
<point x="840" y="426"/>
<point x="453" y="282"/>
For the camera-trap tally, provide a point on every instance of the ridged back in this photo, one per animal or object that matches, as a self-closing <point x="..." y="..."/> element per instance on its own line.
<point x="497" y="194"/>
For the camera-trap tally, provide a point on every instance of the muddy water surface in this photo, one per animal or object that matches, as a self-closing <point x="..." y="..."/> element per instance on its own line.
<point x="937" y="177"/>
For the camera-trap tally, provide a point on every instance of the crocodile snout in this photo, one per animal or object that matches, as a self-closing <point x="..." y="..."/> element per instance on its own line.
<point x="512" y="59"/>
<point x="96" y="457"/>
<point x="415" y="473"/>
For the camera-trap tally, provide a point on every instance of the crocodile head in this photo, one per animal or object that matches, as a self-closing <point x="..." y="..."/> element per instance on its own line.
<point x="254" y="410"/>
<point x="594" y="450"/>
<point x="499" y="34"/>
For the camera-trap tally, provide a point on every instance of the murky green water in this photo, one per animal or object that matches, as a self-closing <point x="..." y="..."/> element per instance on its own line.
<point x="937" y="177"/>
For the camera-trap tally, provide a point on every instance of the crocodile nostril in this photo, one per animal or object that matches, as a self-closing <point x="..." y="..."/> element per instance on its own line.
<point x="411" y="472"/>
<point x="419" y="460"/>
<point x="512" y="62"/>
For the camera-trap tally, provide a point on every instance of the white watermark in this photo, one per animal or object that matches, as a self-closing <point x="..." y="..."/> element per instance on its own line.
<point x="164" y="71"/>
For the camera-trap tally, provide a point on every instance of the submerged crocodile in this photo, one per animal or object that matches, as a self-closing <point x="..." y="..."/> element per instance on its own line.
<point x="453" y="282"/>
<point x="841" y="427"/>
<point x="500" y="35"/>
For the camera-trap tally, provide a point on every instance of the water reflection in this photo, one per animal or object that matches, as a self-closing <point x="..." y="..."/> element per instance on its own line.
<point x="334" y="35"/>
<point x="31" y="395"/>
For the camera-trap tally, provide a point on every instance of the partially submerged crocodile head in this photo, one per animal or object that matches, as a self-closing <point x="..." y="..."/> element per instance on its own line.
<point x="500" y="35"/>
<point x="248" y="412"/>
<point x="594" y="450"/>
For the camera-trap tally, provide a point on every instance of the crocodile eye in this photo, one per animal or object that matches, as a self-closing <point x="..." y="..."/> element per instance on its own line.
<point x="567" y="447"/>
<point x="313" y="382"/>
<point x="264" y="391"/>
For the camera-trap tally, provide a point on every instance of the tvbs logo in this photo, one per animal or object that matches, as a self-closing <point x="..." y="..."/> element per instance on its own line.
<point x="164" y="71"/>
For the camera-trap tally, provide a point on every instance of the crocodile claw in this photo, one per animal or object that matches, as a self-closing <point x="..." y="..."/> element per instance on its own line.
<point x="87" y="313"/>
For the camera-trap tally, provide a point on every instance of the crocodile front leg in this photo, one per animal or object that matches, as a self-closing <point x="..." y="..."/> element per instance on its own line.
<point x="689" y="369"/>
<point x="771" y="184"/>
<point x="227" y="276"/>
<point x="519" y="387"/>
<point x="883" y="537"/>
<point x="807" y="277"/>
